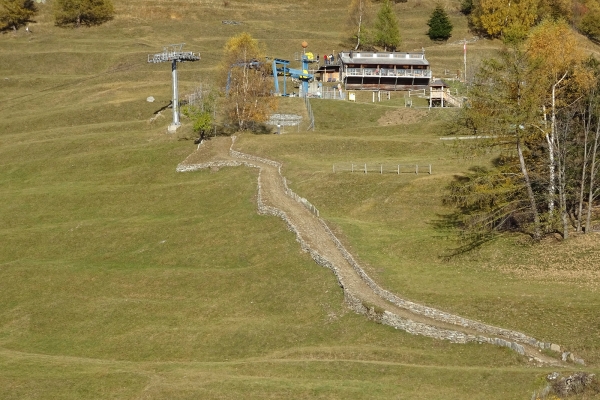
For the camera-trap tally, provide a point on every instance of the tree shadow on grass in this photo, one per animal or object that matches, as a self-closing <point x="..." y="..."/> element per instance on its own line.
<point x="451" y="227"/>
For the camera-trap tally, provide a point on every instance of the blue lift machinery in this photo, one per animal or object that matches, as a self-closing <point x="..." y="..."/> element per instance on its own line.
<point x="280" y="68"/>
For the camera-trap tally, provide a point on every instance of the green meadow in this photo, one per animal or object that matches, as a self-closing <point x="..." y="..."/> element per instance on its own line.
<point x="121" y="278"/>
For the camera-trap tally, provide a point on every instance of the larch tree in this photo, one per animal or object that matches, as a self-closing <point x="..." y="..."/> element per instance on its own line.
<point x="589" y="23"/>
<point x="440" y="27"/>
<point x="512" y="18"/>
<point x="503" y="105"/>
<point x="16" y="13"/>
<point x="387" y="33"/>
<point x="82" y="12"/>
<point x="556" y="9"/>
<point x="359" y="19"/>
<point x="247" y="83"/>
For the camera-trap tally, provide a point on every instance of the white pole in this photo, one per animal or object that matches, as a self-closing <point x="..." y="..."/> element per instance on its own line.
<point x="465" y="59"/>
<point x="175" y="94"/>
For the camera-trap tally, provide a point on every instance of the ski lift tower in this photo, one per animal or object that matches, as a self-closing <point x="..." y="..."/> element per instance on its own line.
<point x="173" y="53"/>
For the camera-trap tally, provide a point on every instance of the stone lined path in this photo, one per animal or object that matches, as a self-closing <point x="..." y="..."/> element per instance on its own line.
<point x="361" y="293"/>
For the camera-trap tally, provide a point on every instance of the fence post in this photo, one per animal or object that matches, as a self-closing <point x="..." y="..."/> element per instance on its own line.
<point x="417" y="169"/>
<point x="365" y="168"/>
<point x="381" y="169"/>
<point x="398" y="169"/>
<point x="429" y="169"/>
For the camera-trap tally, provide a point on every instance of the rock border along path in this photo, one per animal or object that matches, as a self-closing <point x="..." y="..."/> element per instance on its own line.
<point x="362" y="294"/>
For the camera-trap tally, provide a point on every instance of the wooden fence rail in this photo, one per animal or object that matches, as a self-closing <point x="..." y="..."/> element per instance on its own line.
<point x="382" y="168"/>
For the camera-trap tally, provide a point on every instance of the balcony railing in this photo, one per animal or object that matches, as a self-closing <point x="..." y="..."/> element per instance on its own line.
<point x="385" y="72"/>
<point x="364" y="54"/>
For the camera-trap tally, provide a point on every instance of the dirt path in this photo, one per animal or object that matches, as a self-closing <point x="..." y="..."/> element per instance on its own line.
<point x="362" y="294"/>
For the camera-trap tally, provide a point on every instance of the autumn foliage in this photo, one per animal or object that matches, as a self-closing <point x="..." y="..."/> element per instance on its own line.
<point x="245" y="77"/>
<point x="513" y="19"/>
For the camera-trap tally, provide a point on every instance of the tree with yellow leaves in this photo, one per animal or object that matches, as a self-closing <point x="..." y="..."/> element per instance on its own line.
<point x="511" y="18"/>
<point x="538" y="99"/>
<point x="564" y="77"/>
<point x="245" y="76"/>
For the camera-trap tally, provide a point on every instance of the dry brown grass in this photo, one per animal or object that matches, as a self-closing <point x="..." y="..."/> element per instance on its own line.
<point x="401" y="116"/>
<point x="574" y="262"/>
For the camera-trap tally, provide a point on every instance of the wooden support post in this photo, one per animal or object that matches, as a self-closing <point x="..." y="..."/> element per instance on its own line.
<point x="365" y="168"/>
<point x="429" y="169"/>
<point x="417" y="169"/>
<point x="381" y="169"/>
<point x="398" y="169"/>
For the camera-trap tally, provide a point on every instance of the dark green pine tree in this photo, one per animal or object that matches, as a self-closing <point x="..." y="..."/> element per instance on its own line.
<point x="387" y="33"/>
<point x="440" y="27"/>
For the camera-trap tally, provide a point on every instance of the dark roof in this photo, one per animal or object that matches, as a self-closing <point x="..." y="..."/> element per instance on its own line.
<point x="329" y="68"/>
<point x="387" y="58"/>
<point x="438" y="82"/>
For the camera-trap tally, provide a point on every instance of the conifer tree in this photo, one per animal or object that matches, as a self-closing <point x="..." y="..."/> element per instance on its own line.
<point x="82" y="12"/>
<point x="440" y="27"/>
<point x="16" y="13"/>
<point x="387" y="33"/>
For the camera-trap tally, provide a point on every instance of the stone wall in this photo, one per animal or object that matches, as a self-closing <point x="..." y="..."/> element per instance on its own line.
<point x="513" y="339"/>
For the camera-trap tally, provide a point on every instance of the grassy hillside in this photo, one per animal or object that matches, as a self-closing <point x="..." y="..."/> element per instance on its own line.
<point x="124" y="279"/>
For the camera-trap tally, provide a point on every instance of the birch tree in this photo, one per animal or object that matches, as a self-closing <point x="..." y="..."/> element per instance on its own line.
<point x="553" y="46"/>
<point x="248" y="99"/>
<point x="359" y="18"/>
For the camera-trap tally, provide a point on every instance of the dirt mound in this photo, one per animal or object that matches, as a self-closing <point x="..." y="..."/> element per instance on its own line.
<point x="402" y="116"/>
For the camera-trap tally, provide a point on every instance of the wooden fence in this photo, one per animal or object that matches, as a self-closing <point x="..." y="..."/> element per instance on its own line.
<point x="382" y="168"/>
